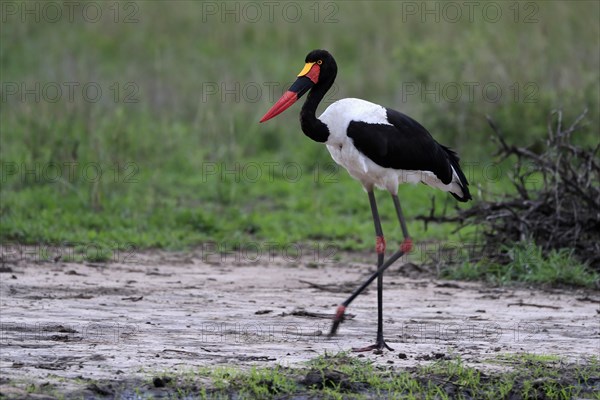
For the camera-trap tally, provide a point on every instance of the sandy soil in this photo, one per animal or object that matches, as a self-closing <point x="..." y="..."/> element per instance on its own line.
<point x="160" y="311"/>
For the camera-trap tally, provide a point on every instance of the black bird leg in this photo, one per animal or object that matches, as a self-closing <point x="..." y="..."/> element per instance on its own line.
<point x="405" y="247"/>
<point x="380" y="248"/>
<point x="401" y="219"/>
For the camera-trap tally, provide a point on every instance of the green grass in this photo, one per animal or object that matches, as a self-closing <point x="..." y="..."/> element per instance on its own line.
<point x="174" y="213"/>
<point x="528" y="264"/>
<point x="343" y="376"/>
<point x="548" y="377"/>
<point x="178" y="165"/>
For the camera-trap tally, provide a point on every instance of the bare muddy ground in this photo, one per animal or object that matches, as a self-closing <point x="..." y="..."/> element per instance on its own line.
<point x="159" y="311"/>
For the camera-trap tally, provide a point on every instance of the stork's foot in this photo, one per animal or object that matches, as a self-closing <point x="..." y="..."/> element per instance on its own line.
<point x="379" y="346"/>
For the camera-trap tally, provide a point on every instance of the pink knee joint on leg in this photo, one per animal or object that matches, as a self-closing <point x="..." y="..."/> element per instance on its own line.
<point x="339" y="314"/>
<point x="407" y="245"/>
<point x="380" y="245"/>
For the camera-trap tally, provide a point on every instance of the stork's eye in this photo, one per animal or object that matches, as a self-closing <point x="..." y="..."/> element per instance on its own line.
<point x="320" y="62"/>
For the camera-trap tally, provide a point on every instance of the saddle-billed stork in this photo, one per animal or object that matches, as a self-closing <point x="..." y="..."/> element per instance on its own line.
<point x="379" y="147"/>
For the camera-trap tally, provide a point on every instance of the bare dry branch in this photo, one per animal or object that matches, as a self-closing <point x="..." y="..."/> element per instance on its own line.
<point x="562" y="212"/>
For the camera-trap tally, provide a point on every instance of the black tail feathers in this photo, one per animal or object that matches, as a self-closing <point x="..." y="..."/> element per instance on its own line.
<point x="463" y="183"/>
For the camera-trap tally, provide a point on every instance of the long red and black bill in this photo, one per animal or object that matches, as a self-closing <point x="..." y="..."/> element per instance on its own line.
<point x="288" y="98"/>
<point x="306" y="80"/>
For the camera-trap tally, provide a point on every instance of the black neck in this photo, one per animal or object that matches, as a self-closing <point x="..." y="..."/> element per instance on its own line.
<point x="311" y="125"/>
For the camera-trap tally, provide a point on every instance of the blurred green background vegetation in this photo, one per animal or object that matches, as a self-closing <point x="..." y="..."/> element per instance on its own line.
<point x="175" y="130"/>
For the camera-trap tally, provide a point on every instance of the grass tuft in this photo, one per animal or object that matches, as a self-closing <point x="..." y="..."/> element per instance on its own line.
<point x="528" y="265"/>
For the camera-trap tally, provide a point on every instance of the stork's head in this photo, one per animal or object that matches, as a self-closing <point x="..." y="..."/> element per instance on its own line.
<point x="319" y="69"/>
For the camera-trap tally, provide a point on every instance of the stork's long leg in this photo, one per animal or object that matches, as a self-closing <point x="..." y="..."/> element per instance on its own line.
<point x="404" y="248"/>
<point x="400" y="217"/>
<point x="380" y="248"/>
<point x="341" y="310"/>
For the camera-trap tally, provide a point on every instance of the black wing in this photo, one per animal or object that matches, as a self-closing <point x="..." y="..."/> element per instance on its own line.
<point x="405" y="144"/>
